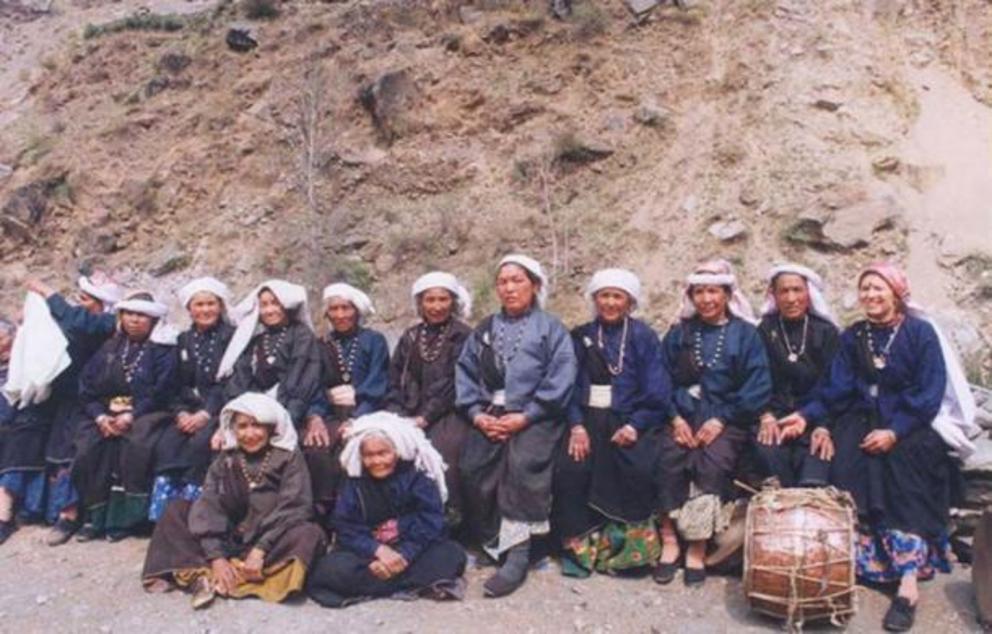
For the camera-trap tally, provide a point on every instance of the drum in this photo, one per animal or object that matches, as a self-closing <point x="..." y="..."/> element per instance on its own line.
<point x="799" y="554"/>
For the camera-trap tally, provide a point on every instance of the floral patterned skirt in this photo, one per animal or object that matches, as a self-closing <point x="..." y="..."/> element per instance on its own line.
<point x="614" y="548"/>
<point x="886" y="555"/>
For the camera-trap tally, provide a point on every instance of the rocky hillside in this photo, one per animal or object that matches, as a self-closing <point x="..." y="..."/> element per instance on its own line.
<point x="373" y="139"/>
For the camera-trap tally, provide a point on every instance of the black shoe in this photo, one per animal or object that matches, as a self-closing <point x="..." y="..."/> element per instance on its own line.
<point x="62" y="531"/>
<point x="118" y="534"/>
<point x="500" y="585"/>
<point x="900" y="616"/>
<point x="694" y="576"/>
<point x="6" y="530"/>
<point x="88" y="533"/>
<point x="664" y="573"/>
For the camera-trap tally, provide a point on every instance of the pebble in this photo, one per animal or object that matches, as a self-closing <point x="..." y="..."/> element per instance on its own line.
<point x="41" y="599"/>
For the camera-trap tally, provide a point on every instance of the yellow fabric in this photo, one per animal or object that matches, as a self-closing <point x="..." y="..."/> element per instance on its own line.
<point x="281" y="580"/>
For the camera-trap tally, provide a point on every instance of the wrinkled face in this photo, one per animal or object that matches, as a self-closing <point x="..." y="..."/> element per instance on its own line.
<point x="252" y="436"/>
<point x="205" y="310"/>
<point x="791" y="295"/>
<point x="710" y="301"/>
<point x="877" y="298"/>
<point x="270" y="311"/>
<point x="436" y="305"/>
<point x="378" y="457"/>
<point x="342" y="314"/>
<point x="612" y="305"/>
<point x="515" y="289"/>
<point x="90" y="303"/>
<point x="6" y="343"/>
<point x="136" y="326"/>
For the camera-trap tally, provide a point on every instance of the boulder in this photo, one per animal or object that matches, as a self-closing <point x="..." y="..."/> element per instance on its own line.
<point x="728" y="230"/>
<point x="392" y="100"/>
<point x="844" y="228"/>
<point x="169" y="259"/>
<point x="26" y="207"/>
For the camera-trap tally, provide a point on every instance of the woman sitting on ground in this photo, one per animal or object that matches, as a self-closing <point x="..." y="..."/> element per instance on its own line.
<point x="389" y="519"/>
<point x="250" y="533"/>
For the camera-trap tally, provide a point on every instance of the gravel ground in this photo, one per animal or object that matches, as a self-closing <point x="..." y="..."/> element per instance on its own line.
<point x="94" y="588"/>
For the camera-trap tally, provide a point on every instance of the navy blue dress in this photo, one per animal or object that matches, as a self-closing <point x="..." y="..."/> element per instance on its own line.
<point x="613" y="483"/>
<point x="729" y="381"/>
<point x="909" y="488"/>
<point x="403" y="511"/>
<point x="113" y="475"/>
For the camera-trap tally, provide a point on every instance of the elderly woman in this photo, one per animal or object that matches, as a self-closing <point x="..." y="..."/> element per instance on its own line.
<point x="273" y="349"/>
<point x="182" y="443"/>
<point x="721" y="384"/>
<point x="86" y="324"/>
<point x="801" y="336"/>
<point x="422" y="372"/>
<point x="389" y="519"/>
<point x="514" y="379"/>
<point x="901" y="403"/>
<point x="354" y="380"/>
<point x="250" y="532"/>
<point x="604" y="488"/>
<point x="125" y="390"/>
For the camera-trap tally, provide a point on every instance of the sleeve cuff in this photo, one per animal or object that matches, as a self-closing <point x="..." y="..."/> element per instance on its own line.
<point x="534" y="412"/>
<point x="212" y="548"/>
<point x="474" y="411"/>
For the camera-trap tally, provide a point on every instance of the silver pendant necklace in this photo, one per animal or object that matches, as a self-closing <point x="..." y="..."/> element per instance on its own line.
<point x="794" y="355"/>
<point x="880" y="359"/>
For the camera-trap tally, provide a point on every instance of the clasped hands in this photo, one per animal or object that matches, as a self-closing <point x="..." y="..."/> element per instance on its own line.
<point x="114" y="424"/>
<point x="501" y="428"/>
<point x="708" y="432"/>
<point x="772" y="431"/>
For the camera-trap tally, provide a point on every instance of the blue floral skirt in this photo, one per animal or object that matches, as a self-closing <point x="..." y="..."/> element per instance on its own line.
<point x="886" y="555"/>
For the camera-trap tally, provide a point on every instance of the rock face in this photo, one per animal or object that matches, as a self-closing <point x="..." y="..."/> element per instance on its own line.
<point x="845" y="229"/>
<point x="24" y="210"/>
<point x="391" y="100"/>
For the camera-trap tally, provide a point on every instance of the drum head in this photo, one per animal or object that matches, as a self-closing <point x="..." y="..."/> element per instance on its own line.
<point x="981" y="569"/>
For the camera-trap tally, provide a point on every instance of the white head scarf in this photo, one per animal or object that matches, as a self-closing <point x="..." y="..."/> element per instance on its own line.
<point x="623" y="279"/>
<point x="717" y="273"/>
<point x="814" y="283"/>
<point x="955" y="422"/>
<point x="358" y="299"/>
<point x="100" y="286"/>
<point x="534" y="267"/>
<point x="293" y="298"/>
<point x="205" y="285"/>
<point x="409" y="440"/>
<point x="162" y="332"/>
<point x="447" y="281"/>
<point x="267" y="411"/>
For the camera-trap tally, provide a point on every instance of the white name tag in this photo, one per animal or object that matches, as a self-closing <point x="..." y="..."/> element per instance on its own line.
<point x="499" y="398"/>
<point x="873" y="390"/>
<point x="695" y="391"/>
<point x="601" y="396"/>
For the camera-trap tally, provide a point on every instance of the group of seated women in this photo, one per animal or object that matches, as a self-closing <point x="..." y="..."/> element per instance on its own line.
<point x="252" y="443"/>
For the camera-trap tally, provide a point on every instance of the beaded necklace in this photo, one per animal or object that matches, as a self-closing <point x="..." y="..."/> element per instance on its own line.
<point x="270" y="348"/>
<point x="615" y="370"/>
<point x="697" y="348"/>
<point x="203" y="347"/>
<point x="880" y="358"/>
<point x="130" y="368"/>
<point x="794" y="354"/>
<point x="502" y="336"/>
<point x="431" y="350"/>
<point x="256" y="479"/>
<point x="345" y="352"/>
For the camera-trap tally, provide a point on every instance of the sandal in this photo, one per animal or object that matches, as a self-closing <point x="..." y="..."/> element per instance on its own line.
<point x="900" y="616"/>
<point x="664" y="573"/>
<point x="203" y="593"/>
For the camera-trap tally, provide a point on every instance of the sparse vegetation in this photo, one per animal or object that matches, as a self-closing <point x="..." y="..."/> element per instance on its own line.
<point x="590" y="19"/>
<point x="260" y="9"/>
<point x="140" y="21"/>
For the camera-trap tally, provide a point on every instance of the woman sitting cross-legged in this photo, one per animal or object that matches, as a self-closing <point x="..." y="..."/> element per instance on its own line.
<point x="250" y="533"/>
<point x="389" y="519"/>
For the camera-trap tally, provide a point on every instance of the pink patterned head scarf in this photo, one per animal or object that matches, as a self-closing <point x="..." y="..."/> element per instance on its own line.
<point x="893" y="276"/>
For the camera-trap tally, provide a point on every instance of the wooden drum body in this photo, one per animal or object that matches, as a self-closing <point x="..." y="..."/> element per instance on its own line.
<point x="799" y="554"/>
